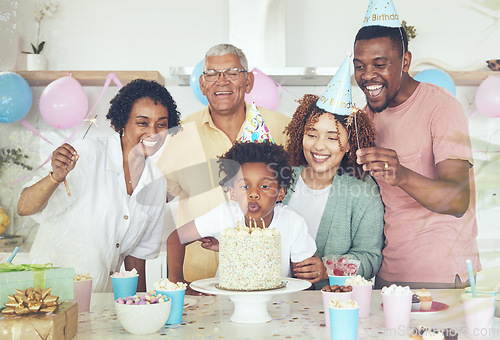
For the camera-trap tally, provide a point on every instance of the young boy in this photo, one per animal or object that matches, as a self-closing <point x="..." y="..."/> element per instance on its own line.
<point x="257" y="176"/>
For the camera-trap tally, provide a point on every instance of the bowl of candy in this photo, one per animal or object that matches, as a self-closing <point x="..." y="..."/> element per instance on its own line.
<point x="340" y="267"/>
<point x="143" y="313"/>
<point x="493" y="64"/>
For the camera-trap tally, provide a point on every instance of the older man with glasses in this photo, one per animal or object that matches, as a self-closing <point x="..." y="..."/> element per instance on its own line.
<point x="189" y="159"/>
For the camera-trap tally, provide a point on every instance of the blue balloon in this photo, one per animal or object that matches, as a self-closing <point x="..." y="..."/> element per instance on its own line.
<point x="15" y="97"/>
<point x="437" y="77"/>
<point x="195" y="84"/>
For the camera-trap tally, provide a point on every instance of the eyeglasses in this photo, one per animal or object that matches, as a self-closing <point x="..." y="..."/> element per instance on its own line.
<point x="231" y="74"/>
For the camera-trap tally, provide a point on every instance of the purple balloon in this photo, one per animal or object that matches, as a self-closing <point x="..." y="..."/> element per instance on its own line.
<point x="63" y="103"/>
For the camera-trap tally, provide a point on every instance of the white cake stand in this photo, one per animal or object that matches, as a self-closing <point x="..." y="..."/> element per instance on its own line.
<point x="250" y="307"/>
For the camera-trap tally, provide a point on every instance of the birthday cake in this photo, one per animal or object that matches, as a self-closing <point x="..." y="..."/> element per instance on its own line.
<point x="249" y="259"/>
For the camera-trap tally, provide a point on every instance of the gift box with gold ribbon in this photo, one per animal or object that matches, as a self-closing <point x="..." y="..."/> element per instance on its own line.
<point x="24" y="276"/>
<point x="37" y="314"/>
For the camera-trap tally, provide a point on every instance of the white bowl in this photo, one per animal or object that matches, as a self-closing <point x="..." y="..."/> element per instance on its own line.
<point x="143" y="319"/>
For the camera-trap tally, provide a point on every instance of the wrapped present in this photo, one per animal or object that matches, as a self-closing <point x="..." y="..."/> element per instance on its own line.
<point x="61" y="324"/>
<point x="23" y="276"/>
<point x="31" y="301"/>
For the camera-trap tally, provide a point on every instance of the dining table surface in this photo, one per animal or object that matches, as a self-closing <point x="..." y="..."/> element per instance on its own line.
<point x="297" y="315"/>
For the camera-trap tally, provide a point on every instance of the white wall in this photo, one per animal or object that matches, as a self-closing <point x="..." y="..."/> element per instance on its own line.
<point x="158" y="34"/>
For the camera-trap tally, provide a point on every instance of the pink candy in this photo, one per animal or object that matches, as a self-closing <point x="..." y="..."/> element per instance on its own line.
<point x="340" y="266"/>
<point x="145" y="299"/>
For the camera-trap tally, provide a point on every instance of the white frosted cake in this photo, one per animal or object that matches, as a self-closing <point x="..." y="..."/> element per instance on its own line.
<point x="249" y="259"/>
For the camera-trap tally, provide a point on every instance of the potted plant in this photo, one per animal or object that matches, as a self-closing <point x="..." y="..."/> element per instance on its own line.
<point x="35" y="61"/>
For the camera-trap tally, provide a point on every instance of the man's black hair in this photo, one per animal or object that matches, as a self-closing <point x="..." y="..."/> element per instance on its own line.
<point x="397" y="36"/>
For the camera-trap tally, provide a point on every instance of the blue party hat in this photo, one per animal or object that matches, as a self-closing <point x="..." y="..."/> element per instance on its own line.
<point x="381" y="13"/>
<point x="337" y="97"/>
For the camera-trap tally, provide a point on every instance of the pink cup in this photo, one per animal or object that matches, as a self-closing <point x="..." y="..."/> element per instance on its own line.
<point x="397" y="309"/>
<point x="327" y="297"/>
<point x="362" y="294"/>
<point x="82" y="291"/>
<point x="479" y="314"/>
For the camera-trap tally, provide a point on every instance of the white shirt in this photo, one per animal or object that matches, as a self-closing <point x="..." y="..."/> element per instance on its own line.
<point x="310" y="204"/>
<point x="296" y="244"/>
<point x="96" y="227"/>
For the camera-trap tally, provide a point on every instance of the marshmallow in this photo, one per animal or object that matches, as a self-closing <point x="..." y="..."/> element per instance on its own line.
<point x="165" y="284"/>
<point x="396" y="290"/>
<point x="357" y="280"/>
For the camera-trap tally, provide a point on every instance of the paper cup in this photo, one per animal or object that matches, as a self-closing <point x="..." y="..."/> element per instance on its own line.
<point x="327" y="297"/>
<point x="344" y="323"/>
<point x="362" y="294"/>
<point x="479" y="314"/>
<point x="82" y="290"/>
<point x="484" y="291"/>
<point x="177" y="304"/>
<point x="124" y="286"/>
<point x="337" y="280"/>
<point x="397" y="309"/>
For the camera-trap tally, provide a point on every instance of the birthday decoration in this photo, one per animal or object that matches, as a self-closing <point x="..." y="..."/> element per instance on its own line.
<point x="337" y="97"/>
<point x="255" y="130"/>
<point x="63" y="103"/>
<point x="437" y="77"/>
<point x="381" y="13"/>
<point x="488" y="97"/>
<point x="15" y="97"/>
<point x="31" y="301"/>
<point x="264" y="92"/>
<point x="109" y="78"/>
<point x="194" y="83"/>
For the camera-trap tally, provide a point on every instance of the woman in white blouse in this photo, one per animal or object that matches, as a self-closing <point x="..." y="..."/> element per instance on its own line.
<point x="103" y="202"/>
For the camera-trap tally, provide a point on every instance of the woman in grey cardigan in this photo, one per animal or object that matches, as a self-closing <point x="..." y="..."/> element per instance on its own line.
<point x="340" y="202"/>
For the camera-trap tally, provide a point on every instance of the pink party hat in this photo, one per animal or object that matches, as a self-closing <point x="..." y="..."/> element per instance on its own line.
<point x="381" y="13"/>
<point x="255" y="130"/>
<point x="337" y="97"/>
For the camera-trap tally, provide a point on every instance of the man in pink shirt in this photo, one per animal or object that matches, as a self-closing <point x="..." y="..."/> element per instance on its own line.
<point x="423" y="164"/>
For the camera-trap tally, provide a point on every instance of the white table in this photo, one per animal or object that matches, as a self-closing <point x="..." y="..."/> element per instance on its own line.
<point x="296" y="315"/>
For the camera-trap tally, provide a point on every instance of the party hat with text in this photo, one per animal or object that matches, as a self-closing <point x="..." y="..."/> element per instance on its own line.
<point x="337" y="97"/>
<point x="381" y="13"/>
<point x="255" y="130"/>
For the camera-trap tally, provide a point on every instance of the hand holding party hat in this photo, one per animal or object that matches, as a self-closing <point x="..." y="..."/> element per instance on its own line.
<point x="255" y="130"/>
<point x="337" y="97"/>
<point x="381" y="13"/>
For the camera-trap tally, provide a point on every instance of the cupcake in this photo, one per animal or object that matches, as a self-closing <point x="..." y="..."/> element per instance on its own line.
<point x="450" y="334"/>
<point x="415" y="303"/>
<point x="425" y="333"/>
<point x="415" y="334"/>
<point x="425" y="299"/>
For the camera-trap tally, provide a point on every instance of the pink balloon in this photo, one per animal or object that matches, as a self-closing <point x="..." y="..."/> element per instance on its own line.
<point x="264" y="92"/>
<point x="488" y="97"/>
<point x="63" y="103"/>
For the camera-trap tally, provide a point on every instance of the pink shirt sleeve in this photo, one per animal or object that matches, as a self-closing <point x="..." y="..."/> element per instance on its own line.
<point x="449" y="129"/>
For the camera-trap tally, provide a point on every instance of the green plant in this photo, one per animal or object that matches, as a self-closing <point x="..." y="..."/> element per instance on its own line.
<point x="47" y="8"/>
<point x="14" y="156"/>
<point x="411" y="32"/>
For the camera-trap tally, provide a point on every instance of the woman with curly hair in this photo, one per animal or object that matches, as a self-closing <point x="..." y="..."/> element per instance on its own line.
<point x="339" y="201"/>
<point x="110" y="209"/>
